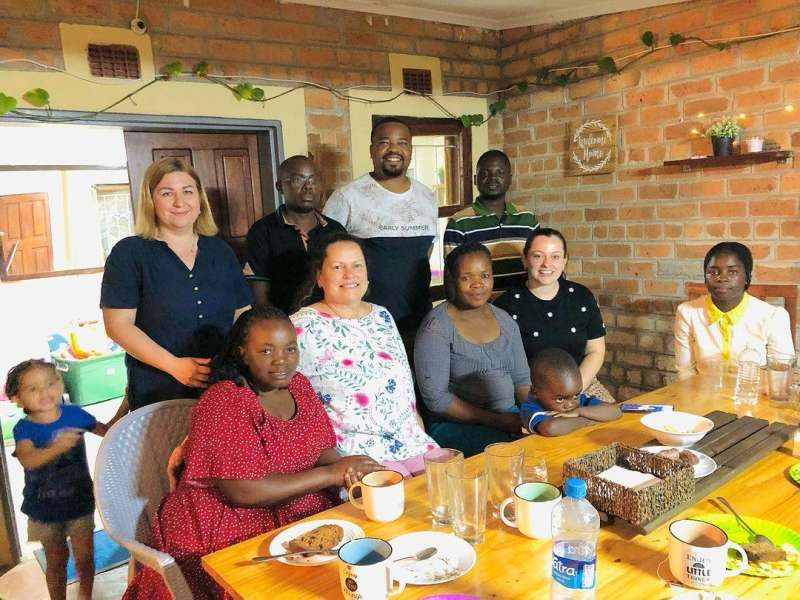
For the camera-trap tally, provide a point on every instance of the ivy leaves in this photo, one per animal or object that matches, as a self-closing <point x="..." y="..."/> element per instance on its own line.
<point x="36" y="97"/>
<point x="7" y="103"/>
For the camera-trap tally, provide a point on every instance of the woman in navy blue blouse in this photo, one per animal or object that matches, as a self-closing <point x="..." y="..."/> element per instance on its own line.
<point x="171" y="292"/>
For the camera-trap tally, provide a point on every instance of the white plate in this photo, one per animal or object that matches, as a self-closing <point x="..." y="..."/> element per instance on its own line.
<point x="706" y="466"/>
<point x="698" y="595"/>
<point x="454" y="558"/>
<point x="276" y="546"/>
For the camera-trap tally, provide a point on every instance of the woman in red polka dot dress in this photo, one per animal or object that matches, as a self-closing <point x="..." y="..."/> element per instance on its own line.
<point x="260" y="454"/>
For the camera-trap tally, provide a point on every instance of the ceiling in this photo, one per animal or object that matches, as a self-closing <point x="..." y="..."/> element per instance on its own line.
<point x="489" y="14"/>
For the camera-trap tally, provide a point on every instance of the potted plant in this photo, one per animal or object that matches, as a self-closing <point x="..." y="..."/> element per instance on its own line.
<point x="722" y="134"/>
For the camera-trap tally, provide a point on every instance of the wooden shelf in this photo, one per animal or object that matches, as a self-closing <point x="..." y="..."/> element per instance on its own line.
<point x="688" y="164"/>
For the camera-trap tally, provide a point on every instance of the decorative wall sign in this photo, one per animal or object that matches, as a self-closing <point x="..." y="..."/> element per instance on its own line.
<point x="593" y="147"/>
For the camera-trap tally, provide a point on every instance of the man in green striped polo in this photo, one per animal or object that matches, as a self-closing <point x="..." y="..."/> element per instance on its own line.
<point x="494" y="222"/>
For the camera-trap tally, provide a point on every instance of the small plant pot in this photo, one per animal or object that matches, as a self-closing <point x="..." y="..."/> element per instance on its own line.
<point x="723" y="146"/>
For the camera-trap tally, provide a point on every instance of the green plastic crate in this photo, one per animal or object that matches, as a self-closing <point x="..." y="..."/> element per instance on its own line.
<point x="95" y="379"/>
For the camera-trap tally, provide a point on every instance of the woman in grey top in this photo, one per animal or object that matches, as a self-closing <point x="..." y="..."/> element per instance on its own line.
<point x="469" y="359"/>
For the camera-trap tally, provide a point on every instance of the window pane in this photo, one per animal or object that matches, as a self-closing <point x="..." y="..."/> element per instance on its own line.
<point x="432" y="163"/>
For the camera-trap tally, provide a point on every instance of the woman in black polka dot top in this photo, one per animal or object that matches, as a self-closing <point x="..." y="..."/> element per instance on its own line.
<point x="553" y="312"/>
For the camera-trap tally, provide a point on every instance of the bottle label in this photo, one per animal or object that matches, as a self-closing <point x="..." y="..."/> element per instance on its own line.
<point x="572" y="573"/>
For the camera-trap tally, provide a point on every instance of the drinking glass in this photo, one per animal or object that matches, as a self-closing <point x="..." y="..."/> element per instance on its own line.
<point x="504" y="464"/>
<point x="436" y="463"/>
<point x="779" y="371"/>
<point x="467" y="485"/>
<point x="534" y="467"/>
<point x="714" y="369"/>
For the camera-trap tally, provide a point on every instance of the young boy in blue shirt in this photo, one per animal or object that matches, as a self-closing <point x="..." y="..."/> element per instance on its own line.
<point x="556" y="404"/>
<point x="58" y="496"/>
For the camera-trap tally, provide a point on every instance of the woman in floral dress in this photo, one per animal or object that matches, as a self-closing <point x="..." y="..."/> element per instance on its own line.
<point x="354" y="357"/>
<point x="260" y="454"/>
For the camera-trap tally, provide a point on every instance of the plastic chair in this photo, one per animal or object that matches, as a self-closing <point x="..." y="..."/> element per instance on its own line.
<point x="130" y="479"/>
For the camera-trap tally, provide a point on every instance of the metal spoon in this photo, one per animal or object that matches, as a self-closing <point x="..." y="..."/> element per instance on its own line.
<point x="285" y="554"/>
<point x="423" y="554"/>
<point x="757" y="537"/>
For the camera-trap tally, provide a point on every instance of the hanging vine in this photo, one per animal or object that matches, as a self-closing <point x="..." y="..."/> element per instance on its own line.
<point x="546" y="76"/>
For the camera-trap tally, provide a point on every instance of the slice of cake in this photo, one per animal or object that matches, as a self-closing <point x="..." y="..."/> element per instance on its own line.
<point x="323" y="537"/>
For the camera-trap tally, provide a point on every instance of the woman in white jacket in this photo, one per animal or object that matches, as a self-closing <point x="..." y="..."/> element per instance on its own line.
<point x="722" y="323"/>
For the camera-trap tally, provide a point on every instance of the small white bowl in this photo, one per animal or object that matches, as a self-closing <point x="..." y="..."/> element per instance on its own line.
<point x="674" y="428"/>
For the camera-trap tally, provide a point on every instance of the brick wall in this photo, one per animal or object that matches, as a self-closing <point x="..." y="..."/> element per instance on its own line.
<point x="264" y="38"/>
<point x="638" y="234"/>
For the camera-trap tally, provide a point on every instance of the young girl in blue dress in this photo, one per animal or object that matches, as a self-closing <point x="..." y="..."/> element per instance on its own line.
<point x="58" y="496"/>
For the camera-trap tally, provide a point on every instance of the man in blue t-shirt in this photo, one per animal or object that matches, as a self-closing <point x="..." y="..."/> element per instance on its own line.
<point x="556" y="405"/>
<point x="395" y="217"/>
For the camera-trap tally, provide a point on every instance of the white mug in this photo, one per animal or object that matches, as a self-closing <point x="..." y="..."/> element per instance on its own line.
<point x="382" y="495"/>
<point x="697" y="554"/>
<point x="365" y="570"/>
<point x="533" y="509"/>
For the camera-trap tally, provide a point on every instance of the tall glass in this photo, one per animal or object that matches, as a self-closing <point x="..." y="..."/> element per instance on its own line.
<point x="436" y="463"/>
<point x="779" y="372"/>
<point x="504" y="464"/>
<point x="467" y="485"/>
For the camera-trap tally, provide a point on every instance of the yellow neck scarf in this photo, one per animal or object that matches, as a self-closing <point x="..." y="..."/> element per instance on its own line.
<point x="726" y="320"/>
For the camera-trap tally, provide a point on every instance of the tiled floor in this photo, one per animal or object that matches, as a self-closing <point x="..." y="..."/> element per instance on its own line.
<point x="26" y="580"/>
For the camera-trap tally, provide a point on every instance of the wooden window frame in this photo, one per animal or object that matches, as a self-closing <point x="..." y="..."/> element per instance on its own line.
<point x="460" y="168"/>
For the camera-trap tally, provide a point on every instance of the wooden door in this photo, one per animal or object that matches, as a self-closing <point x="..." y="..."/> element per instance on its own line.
<point x="25" y="225"/>
<point x="228" y="165"/>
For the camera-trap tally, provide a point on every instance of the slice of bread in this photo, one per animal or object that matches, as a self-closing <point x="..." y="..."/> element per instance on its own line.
<point x="323" y="537"/>
<point x="763" y="552"/>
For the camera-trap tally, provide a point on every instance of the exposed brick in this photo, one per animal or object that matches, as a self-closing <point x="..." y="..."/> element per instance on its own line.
<point x="600" y="214"/>
<point x="723" y="209"/>
<point x="654" y="250"/>
<point x="641" y="135"/>
<point x="741" y="79"/>
<point x="647" y="97"/>
<point x="627" y="79"/>
<point x="789" y="71"/>
<point x="777" y="207"/>
<point x="704" y="188"/>
<point x="660" y="191"/>
<point x="766" y="272"/>
<point x="712" y="62"/>
<point x="691" y="88"/>
<point x="659" y="114"/>
<point x="677" y="211"/>
<point x="599" y="267"/>
<point x="706" y="106"/>
<point x="661" y="287"/>
<point x="787" y="251"/>
<point x="752" y="185"/>
<point x="638" y="269"/>
<point x="740" y="229"/>
<point x="637" y="213"/>
<point x="789" y="229"/>
<point x="759" y="98"/>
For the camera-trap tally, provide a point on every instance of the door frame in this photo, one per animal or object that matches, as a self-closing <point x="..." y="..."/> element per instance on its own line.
<point x="269" y="133"/>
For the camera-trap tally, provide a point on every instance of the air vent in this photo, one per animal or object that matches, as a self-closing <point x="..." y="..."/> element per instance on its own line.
<point x="116" y="60"/>
<point x="418" y="80"/>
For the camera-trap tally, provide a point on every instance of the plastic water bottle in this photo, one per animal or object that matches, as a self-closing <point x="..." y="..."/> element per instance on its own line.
<point x="748" y="377"/>
<point x="575" y="527"/>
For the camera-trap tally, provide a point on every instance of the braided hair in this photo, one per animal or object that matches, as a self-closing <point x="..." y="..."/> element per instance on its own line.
<point x="228" y="364"/>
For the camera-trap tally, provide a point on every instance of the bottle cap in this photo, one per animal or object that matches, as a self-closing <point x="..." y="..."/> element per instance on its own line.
<point x="575" y="487"/>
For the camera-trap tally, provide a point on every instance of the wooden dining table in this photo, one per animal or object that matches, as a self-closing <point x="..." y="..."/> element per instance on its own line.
<point x="510" y="565"/>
